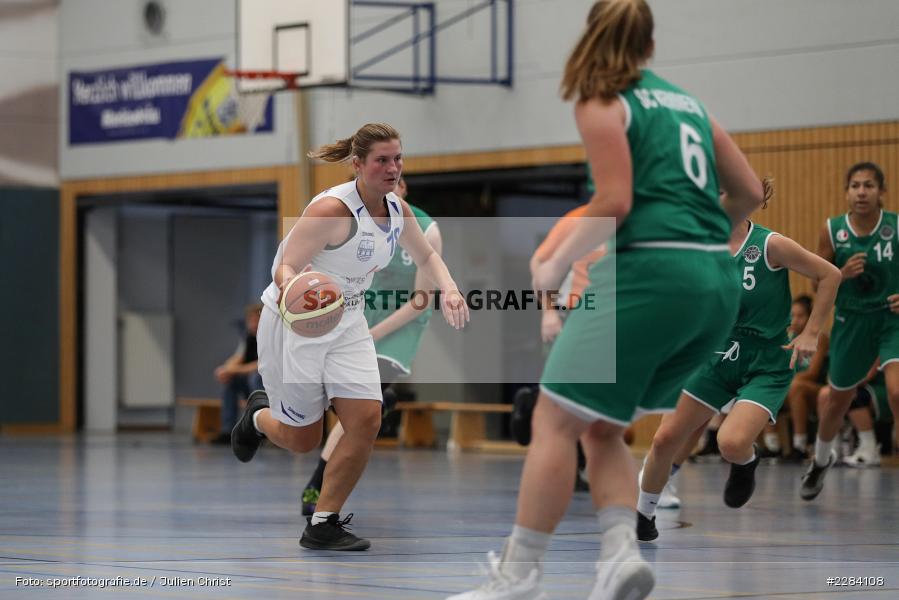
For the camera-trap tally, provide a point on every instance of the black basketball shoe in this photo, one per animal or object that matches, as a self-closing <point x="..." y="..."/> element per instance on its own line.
<point x="245" y="440"/>
<point x="389" y="402"/>
<point x="813" y="480"/>
<point x="741" y="483"/>
<point x="646" y="528"/>
<point x="522" y="410"/>
<point x="332" y="535"/>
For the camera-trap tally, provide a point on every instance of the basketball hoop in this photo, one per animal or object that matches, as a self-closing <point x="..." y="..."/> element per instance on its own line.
<point x="257" y="87"/>
<point x="267" y="81"/>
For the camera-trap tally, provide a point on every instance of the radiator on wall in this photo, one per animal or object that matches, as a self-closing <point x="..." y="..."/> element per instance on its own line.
<point x="147" y="353"/>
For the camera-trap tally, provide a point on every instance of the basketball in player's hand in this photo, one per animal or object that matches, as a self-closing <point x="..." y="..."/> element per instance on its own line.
<point x="311" y="304"/>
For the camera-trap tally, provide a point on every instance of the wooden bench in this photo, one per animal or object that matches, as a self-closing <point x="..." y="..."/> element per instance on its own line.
<point x="468" y="425"/>
<point x="207" y="421"/>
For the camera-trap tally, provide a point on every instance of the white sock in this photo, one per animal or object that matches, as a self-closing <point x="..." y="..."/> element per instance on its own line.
<point x="772" y="442"/>
<point x="751" y="458"/>
<point x="799" y="441"/>
<point x="320" y="517"/>
<point x="256" y="422"/>
<point x="617" y="531"/>
<point x="866" y="441"/>
<point x="524" y="552"/>
<point x="647" y="503"/>
<point x="823" y="451"/>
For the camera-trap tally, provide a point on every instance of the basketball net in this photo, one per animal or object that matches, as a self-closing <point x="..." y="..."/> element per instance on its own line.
<point x="262" y="84"/>
<point x="250" y="106"/>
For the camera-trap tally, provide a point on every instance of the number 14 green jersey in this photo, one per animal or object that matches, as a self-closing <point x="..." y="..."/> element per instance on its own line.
<point x="868" y="292"/>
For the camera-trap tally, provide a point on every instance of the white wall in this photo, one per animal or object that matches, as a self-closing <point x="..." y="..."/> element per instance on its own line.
<point x="28" y="92"/>
<point x="760" y="64"/>
<point x="99" y="34"/>
<point x="101" y="347"/>
<point x="757" y="64"/>
<point x="774" y="64"/>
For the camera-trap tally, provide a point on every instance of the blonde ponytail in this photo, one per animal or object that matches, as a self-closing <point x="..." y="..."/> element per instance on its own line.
<point x="337" y="152"/>
<point x="607" y="58"/>
<point x="359" y="145"/>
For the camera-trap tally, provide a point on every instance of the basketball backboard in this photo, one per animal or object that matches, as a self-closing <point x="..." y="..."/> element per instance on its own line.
<point x="372" y="44"/>
<point x="306" y="37"/>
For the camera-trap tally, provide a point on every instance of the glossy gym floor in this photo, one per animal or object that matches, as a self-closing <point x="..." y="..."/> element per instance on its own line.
<point x="193" y="522"/>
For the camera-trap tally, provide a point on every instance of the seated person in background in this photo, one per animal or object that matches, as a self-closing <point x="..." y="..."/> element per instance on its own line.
<point x="238" y="374"/>
<point x="708" y="441"/>
<point x="810" y="377"/>
<point x="870" y="404"/>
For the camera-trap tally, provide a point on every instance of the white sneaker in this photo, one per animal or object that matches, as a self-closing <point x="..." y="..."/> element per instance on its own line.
<point x="501" y="587"/>
<point x="844" y="444"/>
<point x="625" y="576"/>
<point x="860" y="459"/>
<point x="668" y="498"/>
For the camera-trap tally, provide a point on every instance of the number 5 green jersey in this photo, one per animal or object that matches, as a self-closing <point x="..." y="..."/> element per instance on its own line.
<point x="868" y="292"/>
<point x="765" y="300"/>
<point x="674" y="173"/>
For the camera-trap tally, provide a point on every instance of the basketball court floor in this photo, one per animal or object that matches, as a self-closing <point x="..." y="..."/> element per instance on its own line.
<point x="193" y="522"/>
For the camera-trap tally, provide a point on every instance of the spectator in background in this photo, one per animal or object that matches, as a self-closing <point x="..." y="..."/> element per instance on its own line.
<point x="239" y="374"/>
<point x="811" y="376"/>
<point x="869" y="404"/>
<point x="804" y="388"/>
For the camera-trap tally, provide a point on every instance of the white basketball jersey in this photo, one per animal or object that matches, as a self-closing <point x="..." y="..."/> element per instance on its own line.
<point x="352" y="264"/>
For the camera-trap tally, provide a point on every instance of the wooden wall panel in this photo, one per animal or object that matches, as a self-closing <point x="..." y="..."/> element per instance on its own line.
<point x="808" y="165"/>
<point x="68" y="309"/>
<point x="290" y="200"/>
<point x="326" y="175"/>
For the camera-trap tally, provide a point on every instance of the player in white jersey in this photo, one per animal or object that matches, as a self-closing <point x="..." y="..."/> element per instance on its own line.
<point x="347" y="232"/>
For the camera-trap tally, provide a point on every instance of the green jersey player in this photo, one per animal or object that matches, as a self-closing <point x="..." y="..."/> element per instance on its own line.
<point x="750" y="373"/>
<point x="862" y="244"/>
<point x="657" y="157"/>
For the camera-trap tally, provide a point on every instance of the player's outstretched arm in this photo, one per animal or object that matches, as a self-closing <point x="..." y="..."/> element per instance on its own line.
<point x="818" y="364"/>
<point x="784" y="252"/>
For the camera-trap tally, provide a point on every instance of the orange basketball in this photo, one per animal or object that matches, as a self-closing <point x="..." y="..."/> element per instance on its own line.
<point x="312" y="304"/>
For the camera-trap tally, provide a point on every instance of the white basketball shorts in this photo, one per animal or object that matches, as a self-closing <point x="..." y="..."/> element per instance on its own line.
<point x="301" y="375"/>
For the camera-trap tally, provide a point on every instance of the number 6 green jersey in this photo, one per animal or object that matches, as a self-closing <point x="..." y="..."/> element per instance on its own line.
<point x="674" y="173"/>
<point x="868" y="292"/>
